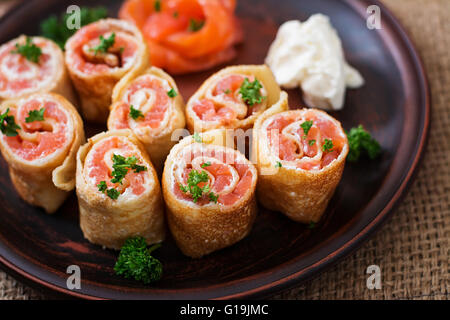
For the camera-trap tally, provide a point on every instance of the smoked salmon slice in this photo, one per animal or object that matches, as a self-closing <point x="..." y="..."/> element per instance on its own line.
<point x="300" y="157"/>
<point x="209" y="191"/>
<point x="151" y="105"/>
<point x="118" y="191"/>
<point x="186" y="35"/>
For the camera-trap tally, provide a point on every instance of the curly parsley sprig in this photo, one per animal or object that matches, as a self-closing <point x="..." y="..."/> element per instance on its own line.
<point x="111" y="192"/>
<point x="172" y="93"/>
<point x="56" y="28"/>
<point x="121" y="166"/>
<point x="306" y="126"/>
<point x="105" y="44"/>
<point x="194" y="179"/>
<point x="136" y="113"/>
<point x="136" y="261"/>
<point x="157" y="5"/>
<point x="327" y="145"/>
<point x="195" y="25"/>
<point x="8" y="125"/>
<point x="251" y="92"/>
<point x="35" y="115"/>
<point x="29" y="50"/>
<point x="361" y="142"/>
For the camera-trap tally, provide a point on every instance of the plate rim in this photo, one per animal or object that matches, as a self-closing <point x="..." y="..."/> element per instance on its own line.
<point x="331" y="257"/>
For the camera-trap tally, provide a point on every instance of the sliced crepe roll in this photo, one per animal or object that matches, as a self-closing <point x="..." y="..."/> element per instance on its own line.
<point x="300" y="156"/>
<point x="151" y="106"/>
<point x="232" y="98"/>
<point x="209" y="191"/>
<point x="40" y="137"/>
<point x="118" y="191"/>
<point x="98" y="56"/>
<point x="30" y="65"/>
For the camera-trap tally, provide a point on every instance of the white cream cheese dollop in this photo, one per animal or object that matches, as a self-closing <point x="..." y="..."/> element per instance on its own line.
<point x="309" y="55"/>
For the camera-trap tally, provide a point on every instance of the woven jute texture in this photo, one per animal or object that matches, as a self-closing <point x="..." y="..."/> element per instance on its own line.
<point x="412" y="248"/>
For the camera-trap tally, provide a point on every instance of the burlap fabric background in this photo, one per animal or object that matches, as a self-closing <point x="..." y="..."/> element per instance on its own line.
<point x="412" y="249"/>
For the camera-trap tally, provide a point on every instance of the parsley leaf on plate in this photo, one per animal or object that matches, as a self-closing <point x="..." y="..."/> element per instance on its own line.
<point x="136" y="261"/>
<point x="360" y="141"/>
<point x="57" y="29"/>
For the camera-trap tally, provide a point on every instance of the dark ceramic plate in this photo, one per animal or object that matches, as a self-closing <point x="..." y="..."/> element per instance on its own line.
<point x="394" y="105"/>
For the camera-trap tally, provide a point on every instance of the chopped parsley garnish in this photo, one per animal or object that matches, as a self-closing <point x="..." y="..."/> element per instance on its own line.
<point x="8" y="125"/>
<point x="311" y="225"/>
<point x="197" y="137"/>
<point x="57" y="29"/>
<point x="278" y="164"/>
<point x="327" y="145"/>
<point x="28" y="50"/>
<point x="102" y="187"/>
<point x="111" y="192"/>
<point x="105" y="44"/>
<point x="135" y="113"/>
<point x="35" y="115"/>
<point x="311" y="142"/>
<point x="306" y="126"/>
<point x="206" y="164"/>
<point x="228" y="91"/>
<point x="360" y="141"/>
<point x="157" y="5"/>
<point x="172" y="93"/>
<point x="251" y="92"/>
<point x="121" y="165"/>
<point x="195" y="25"/>
<point x="213" y="197"/>
<point x="196" y="191"/>
<point x="136" y="261"/>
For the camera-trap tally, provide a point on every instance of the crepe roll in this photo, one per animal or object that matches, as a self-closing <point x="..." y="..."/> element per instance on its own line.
<point x="209" y="190"/>
<point x="232" y="98"/>
<point x="40" y="137"/>
<point x="97" y="57"/>
<point x="118" y="191"/>
<point x="30" y="65"/>
<point x="151" y="106"/>
<point x="300" y="155"/>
